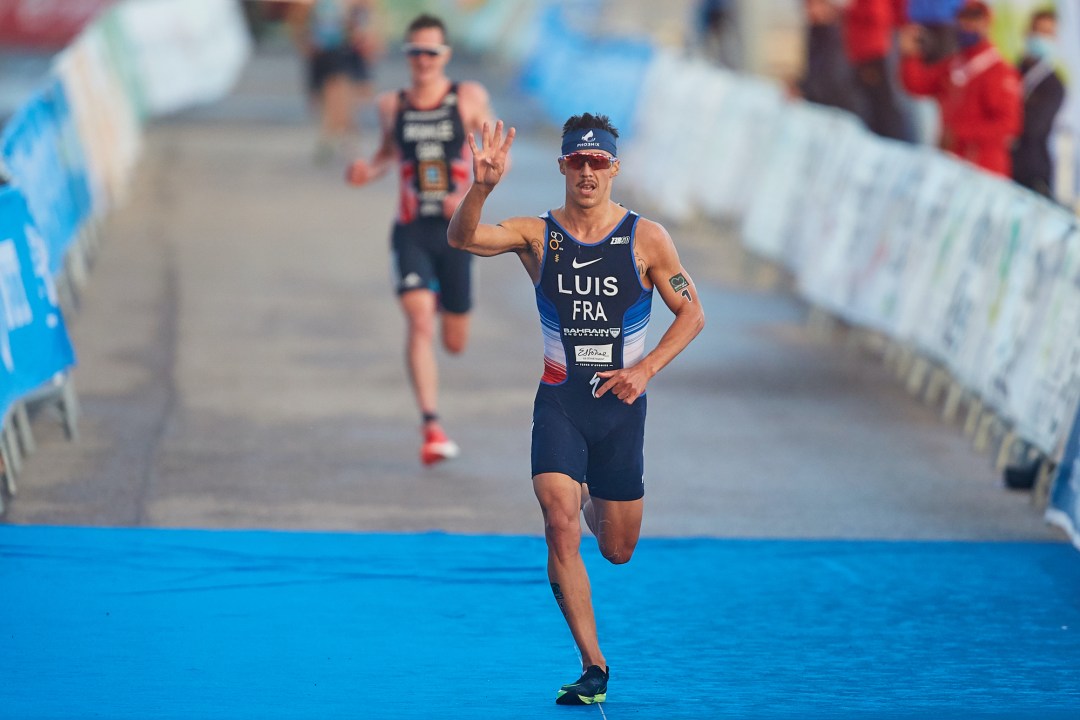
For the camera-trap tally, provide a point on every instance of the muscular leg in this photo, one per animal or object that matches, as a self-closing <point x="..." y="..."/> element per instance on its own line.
<point x="560" y="500"/>
<point x="419" y="309"/>
<point x="616" y="525"/>
<point x="455" y="331"/>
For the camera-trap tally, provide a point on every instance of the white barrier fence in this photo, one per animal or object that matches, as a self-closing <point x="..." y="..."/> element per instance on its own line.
<point x="1068" y="156"/>
<point x="974" y="274"/>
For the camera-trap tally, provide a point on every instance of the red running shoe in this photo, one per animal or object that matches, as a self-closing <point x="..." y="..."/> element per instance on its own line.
<point x="437" y="447"/>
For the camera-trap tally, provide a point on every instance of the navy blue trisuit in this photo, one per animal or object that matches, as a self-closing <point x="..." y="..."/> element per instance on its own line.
<point x="594" y="312"/>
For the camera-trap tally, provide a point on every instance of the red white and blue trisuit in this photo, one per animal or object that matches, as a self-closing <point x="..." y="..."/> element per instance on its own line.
<point x="594" y="312"/>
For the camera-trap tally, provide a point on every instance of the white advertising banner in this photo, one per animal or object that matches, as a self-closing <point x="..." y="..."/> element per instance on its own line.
<point x="938" y="202"/>
<point x="766" y="218"/>
<point x="972" y="271"/>
<point x="1069" y="120"/>
<point x="105" y="115"/>
<point x="736" y="146"/>
<point x="1045" y="382"/>
<point x="185" y="53"/>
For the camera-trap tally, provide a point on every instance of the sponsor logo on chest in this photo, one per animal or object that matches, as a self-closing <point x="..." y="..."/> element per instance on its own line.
<point x="592" y="332"/>
<point x="593" y="354"/>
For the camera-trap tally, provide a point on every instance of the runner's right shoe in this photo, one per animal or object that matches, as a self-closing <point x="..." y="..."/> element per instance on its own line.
<point x="437" y="447"/>
<point x="590" y="688"/>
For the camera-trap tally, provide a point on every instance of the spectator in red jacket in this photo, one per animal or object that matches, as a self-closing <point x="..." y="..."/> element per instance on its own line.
<point x="977" y="91"/>
<point x="869" y="26"/>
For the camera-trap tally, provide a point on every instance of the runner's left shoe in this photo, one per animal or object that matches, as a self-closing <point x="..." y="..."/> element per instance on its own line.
<point x="437" y="447"/>
<point x="590" y="688"/>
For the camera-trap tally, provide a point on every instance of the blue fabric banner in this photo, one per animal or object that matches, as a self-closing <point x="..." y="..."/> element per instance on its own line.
<point x="41" y="149"/>
<point x="34" y="343"/>
<point x="933" y="11"/>
<point x="571" y="72"/>
<point x="140" y="623"/>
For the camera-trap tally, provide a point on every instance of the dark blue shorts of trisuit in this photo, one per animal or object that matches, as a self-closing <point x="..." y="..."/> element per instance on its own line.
<point x="325" y="64"/>
<point x="423" y="260"/>
<point x="598" y="441"/>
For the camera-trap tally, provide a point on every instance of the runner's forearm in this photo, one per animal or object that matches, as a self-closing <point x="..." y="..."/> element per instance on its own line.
<point x="680" y="333"/>
<point x="381" y="162"/>
<point x="466" y="218"/>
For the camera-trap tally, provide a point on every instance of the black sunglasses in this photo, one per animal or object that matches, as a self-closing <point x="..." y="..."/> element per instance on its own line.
<point x="425" y="50"/>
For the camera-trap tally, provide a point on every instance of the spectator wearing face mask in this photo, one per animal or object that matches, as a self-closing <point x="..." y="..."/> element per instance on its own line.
<point x="1044" y="94"/>
<point x="977" y="92"/>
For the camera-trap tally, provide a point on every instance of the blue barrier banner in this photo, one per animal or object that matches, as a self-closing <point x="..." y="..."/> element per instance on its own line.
<point x="34" y="343"/>
<point x="41" y="149"/>
<point x="573" y="73"/>
<point x="77" y="175"/>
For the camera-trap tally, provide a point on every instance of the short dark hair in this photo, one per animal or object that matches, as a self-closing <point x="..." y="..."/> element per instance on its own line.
<point x="424" y="21"/>
<point x="588" y="121"/>
<point x="1040" y="15"/>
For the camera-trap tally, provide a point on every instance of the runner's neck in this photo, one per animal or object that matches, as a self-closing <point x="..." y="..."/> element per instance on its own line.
<point x="590" y="225"/>
<point x="428" y="95"/>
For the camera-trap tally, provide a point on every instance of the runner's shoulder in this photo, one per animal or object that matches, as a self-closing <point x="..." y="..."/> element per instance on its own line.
<point x="474" y="101"/>
<point x="472" y="91"/>
<point x="647" y="228"/>
<point x="649" y="234"/>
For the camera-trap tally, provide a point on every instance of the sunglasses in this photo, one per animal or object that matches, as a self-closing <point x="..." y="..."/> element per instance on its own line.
<point x="412" y="50"/>
<point x="597" y="161"/>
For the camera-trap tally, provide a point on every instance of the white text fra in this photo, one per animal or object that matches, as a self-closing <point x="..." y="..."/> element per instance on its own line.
<point x="588" y="310"/>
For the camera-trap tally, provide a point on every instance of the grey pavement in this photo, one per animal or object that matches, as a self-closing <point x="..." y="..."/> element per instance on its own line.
<point x="241" y="366"/>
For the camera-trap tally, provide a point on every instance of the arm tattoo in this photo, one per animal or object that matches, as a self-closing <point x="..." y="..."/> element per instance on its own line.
<point x="641" y="268"/>
<point x="537" y="247"/>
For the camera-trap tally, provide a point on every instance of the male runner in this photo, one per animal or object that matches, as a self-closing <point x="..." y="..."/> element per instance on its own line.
<point x="423" y="134"/>
<point x="594" y="266"/>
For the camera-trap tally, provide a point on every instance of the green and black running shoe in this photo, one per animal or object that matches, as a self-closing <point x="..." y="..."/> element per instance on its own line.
<point x="590" y="688"/>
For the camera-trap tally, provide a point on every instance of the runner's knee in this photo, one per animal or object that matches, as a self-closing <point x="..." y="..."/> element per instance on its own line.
<point x="421" y="325"/>
<point x="454" y="343"/>
<point x="455" y="332"/>
<point x="617" y="552"/>
<point x="563" y="531"/>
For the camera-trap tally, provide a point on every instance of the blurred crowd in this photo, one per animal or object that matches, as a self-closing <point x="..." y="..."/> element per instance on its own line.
<point x="340" y="41"/>
<point x="870" y="56"/>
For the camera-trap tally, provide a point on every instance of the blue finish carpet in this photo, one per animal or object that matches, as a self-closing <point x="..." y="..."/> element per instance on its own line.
<point x="234" y="624"/>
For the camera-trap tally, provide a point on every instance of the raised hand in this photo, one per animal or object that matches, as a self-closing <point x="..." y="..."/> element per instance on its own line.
<point x="489" y="160"/>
